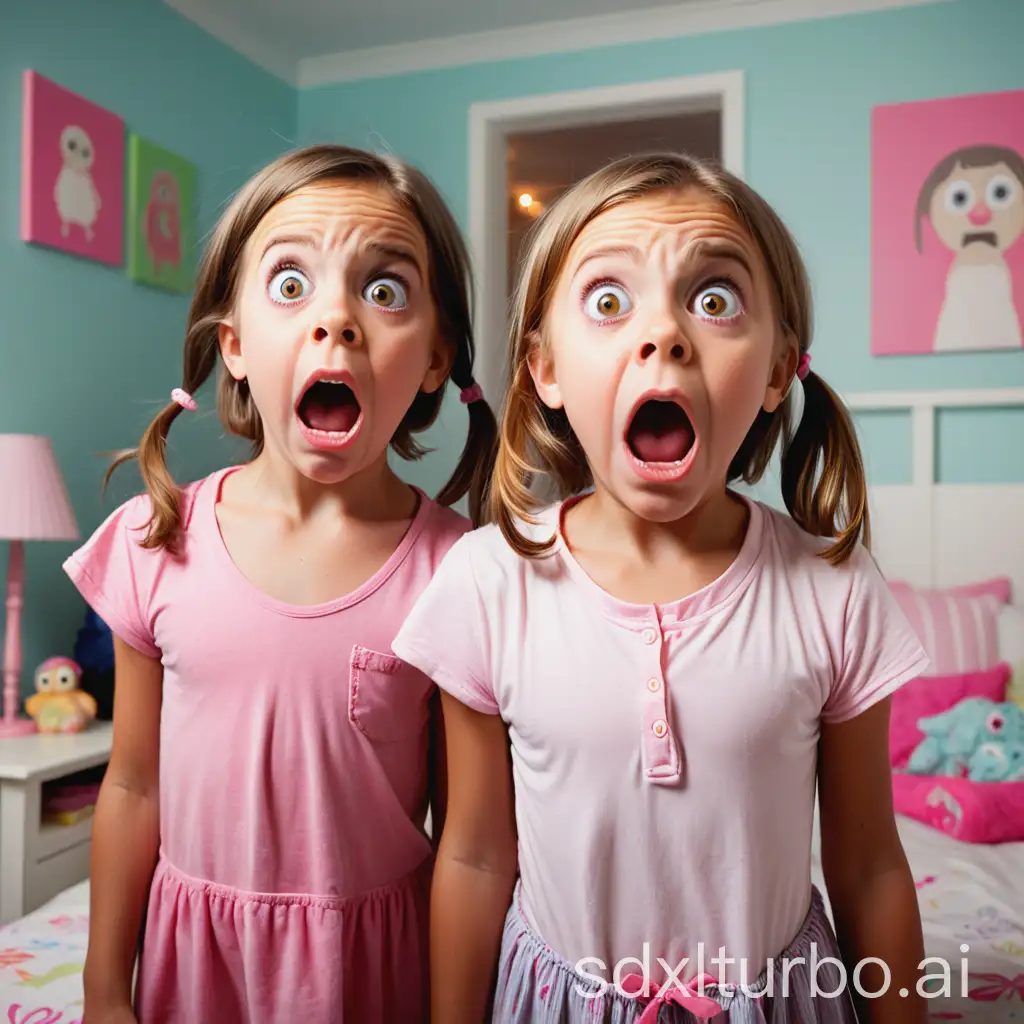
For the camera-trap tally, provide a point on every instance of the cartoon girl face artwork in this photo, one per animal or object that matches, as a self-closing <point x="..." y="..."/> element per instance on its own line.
<point x="974" y="201"/>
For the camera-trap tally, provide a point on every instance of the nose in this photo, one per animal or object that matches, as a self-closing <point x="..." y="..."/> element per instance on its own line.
<point x="664" y="339"/>
<point x="322" y="333"/>
<point x="980" y="214"/>
<point x="337" y="326"/>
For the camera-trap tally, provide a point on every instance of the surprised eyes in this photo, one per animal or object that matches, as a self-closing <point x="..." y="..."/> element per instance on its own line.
<point x="289" y="285"/>
<point x="386" y="293"/>
<point x="718" y="302"/>
<point x="606" y="302"/>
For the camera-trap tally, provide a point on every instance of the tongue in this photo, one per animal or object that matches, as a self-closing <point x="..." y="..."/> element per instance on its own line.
<point x="337" y="416"/>
<point x="660" y="432"/>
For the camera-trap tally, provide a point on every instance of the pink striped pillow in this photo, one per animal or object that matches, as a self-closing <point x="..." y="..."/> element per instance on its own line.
<point x="959" y="626"/>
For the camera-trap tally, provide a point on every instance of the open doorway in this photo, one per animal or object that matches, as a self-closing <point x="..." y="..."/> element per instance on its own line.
<point x="541" y="165"/>
<point x="524" y="152"/>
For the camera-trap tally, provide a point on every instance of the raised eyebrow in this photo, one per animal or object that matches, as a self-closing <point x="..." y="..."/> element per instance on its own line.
<point x="626" y="251"/>
<point x="706" y="251"/>
<point x="395" y="252"/>
<point x="308" y="241"/>
<point x="379" y="249"/>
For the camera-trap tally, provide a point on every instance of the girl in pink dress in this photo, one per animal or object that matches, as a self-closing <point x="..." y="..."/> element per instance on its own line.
<point x="675" y="668"/>
<point x="273" y="763"/>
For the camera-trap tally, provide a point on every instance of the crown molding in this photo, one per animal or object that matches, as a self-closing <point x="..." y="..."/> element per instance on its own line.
<point x="684" y="19"/>
<point x="235" y="36"/>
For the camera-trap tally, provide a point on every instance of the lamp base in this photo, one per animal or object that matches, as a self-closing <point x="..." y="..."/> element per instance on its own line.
<point x="16" y="727"/>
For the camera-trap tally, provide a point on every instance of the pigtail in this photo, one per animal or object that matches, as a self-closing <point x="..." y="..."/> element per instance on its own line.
<point x="510" y="497"/>
<point x="535" y="443"/>
<point x="164" y="527"/>
<point x="833" y="503"/>
<point x="472" y="475"/>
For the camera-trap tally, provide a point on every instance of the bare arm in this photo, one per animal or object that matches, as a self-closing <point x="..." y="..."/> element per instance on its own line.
<point x="125" y="836"/>
<point x="869" y="882"/>
<point x="438" y="770"/>
<point x="476" y="867"/>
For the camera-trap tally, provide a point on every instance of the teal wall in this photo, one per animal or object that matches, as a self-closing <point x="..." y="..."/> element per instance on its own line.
<point x="810" y="87"/>
<point x="86" y="355"/>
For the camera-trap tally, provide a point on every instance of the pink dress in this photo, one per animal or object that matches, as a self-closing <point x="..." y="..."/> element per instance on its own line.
<point x="294" y="869"/>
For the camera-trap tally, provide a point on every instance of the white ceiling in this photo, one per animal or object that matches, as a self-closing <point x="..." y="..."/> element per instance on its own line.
<point x="311" y="42"/>
<point x="311" y="28"/>
<point x="302" y="29"/>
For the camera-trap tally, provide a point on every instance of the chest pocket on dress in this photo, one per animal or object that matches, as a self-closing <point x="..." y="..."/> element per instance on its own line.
<point x="387" y="698"/>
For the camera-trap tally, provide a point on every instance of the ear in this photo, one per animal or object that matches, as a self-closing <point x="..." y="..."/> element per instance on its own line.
<point x="541" y="364"/>
<point x="782" y="373"/>
<point x="231" y="349"/>
<point x="442" y="355"/>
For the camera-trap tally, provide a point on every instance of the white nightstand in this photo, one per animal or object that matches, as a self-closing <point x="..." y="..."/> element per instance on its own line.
<point x="38" y="861"/>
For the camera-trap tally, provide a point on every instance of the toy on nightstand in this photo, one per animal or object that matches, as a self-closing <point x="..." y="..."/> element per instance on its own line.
<point x="58" y="705"/>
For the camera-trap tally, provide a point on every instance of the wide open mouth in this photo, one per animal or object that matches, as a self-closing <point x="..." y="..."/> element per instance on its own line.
<point x="988" y="237"/>
<point x="660" y="432"/>
<point x="329" y="406"/>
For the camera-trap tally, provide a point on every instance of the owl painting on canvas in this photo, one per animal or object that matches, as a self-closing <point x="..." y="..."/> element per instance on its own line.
<point x="72" y="182"/>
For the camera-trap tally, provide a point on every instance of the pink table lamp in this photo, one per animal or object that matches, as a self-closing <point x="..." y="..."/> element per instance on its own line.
<point x="33" y="506"/>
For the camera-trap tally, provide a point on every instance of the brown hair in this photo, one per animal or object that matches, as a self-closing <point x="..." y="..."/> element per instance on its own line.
<point x="969" y="156"/>
<point x="537" y="440"/>
<point x="216" y="292"/>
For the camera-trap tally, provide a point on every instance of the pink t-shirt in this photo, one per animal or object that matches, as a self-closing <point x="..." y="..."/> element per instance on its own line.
<point x="664" y="757"/>
<point x="293" y="744"/>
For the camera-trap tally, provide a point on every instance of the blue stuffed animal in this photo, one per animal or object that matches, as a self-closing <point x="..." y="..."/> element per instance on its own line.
<point x="976" y="739"/>
<point x="997" y="762"/>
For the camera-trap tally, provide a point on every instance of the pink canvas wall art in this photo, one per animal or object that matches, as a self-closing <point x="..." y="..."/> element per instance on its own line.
<point x="947" y="225"/>
<point x="72" y="172"/>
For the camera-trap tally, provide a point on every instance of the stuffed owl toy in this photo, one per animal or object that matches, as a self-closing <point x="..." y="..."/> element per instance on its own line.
<point x="58" y="705"/>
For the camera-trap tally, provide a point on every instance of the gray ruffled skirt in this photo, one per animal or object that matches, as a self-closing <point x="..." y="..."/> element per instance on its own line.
<point x="537" y="986"/>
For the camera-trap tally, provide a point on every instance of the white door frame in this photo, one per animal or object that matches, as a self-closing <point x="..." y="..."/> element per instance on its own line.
<point x="491" y="122"/>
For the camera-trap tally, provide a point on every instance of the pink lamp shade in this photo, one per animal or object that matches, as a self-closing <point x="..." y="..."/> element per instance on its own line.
<point x="34" y="505"/>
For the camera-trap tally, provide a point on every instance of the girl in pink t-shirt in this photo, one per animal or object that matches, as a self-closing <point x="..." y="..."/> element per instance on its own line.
<point x="273" y="763"/>
<point x="674" y="668"/>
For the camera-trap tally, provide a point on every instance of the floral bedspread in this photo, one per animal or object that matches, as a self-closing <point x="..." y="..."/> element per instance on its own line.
<point x="41" y="960"/>
<point x="970" y="895"/>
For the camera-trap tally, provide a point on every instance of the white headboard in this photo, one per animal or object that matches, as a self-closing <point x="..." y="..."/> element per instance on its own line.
<point x="936" y="534"/>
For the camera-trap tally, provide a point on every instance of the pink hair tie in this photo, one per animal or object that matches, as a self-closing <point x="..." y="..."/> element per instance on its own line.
<point x="474" y="393"/>
<point x="804" y="366"/>
<point x="184" y="399"/>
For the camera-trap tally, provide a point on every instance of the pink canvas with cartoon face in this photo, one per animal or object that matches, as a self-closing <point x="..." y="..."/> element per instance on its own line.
<point x="72" y="173"/>
<point x="947" y="225"/>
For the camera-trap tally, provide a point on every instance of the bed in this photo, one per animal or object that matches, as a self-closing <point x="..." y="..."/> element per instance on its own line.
<point x="969" y="895"/>
<point x="938" y="535"/>
<point x="41" y="959"/>
<point x="926" y="533"/>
